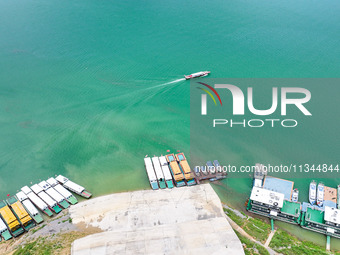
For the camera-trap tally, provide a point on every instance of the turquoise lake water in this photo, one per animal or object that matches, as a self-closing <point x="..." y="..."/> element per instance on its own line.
<point x="89" y="88"/>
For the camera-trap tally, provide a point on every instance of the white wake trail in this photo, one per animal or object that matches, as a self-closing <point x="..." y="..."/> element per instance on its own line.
<point x="167" y="83"/>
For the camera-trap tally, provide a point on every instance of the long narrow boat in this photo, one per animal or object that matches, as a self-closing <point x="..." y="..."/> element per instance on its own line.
<point x="62" y="191"/>
<point x="320" y="194"/>
<point x="151" y="173"/>
<point x="54" y="194"/>
<point x="37" y="201"/>
<point x="9" y="218"/>
<point x="30" y="208"/>
<point x="74" y="187"/>
<point x="159" y="172"/>
<point x="189" y="176"/>
<point x="166" y="172"/>
<point x="4" y="232"/>
<point x="175" y="170"/>
<point x="312" y="192"/>
<point x="52" y="204"/>
<point x="20" y="212"/>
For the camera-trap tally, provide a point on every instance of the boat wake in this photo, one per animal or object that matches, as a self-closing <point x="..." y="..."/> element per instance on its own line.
<point x="167" y="83"/>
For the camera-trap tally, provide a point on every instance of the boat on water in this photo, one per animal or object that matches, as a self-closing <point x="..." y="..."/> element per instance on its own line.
<point x="52" y="204"/>
<point x="175" y="170"/>
<point x="4" y="232"/>
<point x="312" y="192"/>
<point x="37" y="201"/>
<point x="74" y="187"/>
<point x="295" y="195"/>
<point x="159" y="173"/>
<point x="151" y="173"/>
<point x="210" y="167"/>
<point x="320" y="194"/>
<point x="166" y="172"/>
<point x="20" y="212"/>
<point x="62" y="202"/>
<point x="9" y="218"/>
<point x="62" y="191"/>
<point x="184" y="166"/>
<point x="196" y="75"/>
<point x="30" y="208"/>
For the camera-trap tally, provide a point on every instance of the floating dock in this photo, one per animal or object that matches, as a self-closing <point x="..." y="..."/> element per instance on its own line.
<point x="52" y="204"/>
<point x="175" y="170"/>
<point x="166" y="172"/>
<point x="37" y="200"/>
<point x="210" y="171"/>
<point x="20" y="212"/>
<point x="159" y="173"/>
<point x="70" y="185"/>
<point x="30" y="208"/>
<point x="188" y="175"/>
<point x="9" y="218"/>
<point x="151" y="173"/>
<point x="62" y="191"/>
<point x="54" y="194"/>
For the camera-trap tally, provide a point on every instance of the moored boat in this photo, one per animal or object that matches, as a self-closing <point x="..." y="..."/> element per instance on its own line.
<point x="74" y="187"/>
<point x="159" y="173"/>
<point x="30" y="208"/>
<point x="320" y="194"/>
<point x="188" y="175"/>
<point x="10" y="219"/>
<point x="54" y="194"/>
<point x="62" y="191"/>
<point x="312" y="192"/>
<point x="37" y="201"/>
<point x="295" y="195"/>
<point x="20" y="212"/>
<point x="166" y="172"/>
<point x="151" y="173"/>
<point x="196" y="75"/>
<point x="52" y="204"/>
<point x="175" y="170"/>
<point x="4" y="232"/>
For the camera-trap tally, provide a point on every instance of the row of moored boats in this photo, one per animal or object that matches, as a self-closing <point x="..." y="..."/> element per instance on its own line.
<point x="169" y="171"/>
<point x="19" y="213"/>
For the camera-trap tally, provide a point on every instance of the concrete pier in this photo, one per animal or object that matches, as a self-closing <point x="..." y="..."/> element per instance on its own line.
<point x="186" y="220"/>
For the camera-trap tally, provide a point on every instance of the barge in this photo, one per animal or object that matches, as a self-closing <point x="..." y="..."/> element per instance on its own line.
<point x="37" y="201"/>
<point x="20" y="212"/>
<point x="30" y="208"/>
<point x="188" y="175"/>
<point x="4" y="232"/>
<point x="62" y="191"/>
<point x="52" y="204"/>
<point x="175" y="170"/>
<point x="9" y="218"/>
<point x="166" y="172"/>
<point x="159" y="173"/>
<point x="151" y="173"/>
<point x="54" y="194"/>
<point x="74" y="187"/>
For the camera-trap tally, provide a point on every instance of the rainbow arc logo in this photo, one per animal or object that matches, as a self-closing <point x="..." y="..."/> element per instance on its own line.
<point x="204" y="96"/>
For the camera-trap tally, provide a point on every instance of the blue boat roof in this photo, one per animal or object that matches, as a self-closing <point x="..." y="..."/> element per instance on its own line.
<point x="279" y="185"/>
<point x="180" y="156"/>
<point x="209" y="163"/>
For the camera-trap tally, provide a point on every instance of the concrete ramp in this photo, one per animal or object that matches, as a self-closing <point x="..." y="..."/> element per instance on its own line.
<point x="187" y="220"/>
